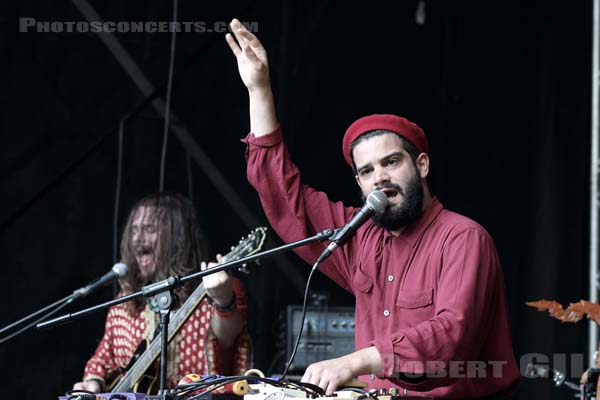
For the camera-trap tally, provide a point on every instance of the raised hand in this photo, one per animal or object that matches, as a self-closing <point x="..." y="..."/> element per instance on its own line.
<point x="253" y="67"/>
<point x="251" y="57"/>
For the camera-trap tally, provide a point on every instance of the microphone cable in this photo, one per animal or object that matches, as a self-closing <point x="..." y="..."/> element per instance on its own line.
<point x="66" y="301"/>
<point x="168" y="98"/>
<point x="118" y="189"/>
<point x="291" y="360"/>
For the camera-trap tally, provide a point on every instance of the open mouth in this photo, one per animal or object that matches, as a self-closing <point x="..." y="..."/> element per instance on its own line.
<point x="390" y="193"/>
<point x="144" y="260"/>
<point x="144" y="256"/>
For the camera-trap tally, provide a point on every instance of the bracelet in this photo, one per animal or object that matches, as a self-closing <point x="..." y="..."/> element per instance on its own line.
<point x="224" y="314"/>
<point x="223" y="310"/>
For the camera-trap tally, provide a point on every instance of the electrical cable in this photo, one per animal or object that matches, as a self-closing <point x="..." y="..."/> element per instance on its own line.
<point x="214" y="384"/>
<point x="12" y="335"/>
<point x="80" y="394"/>
<point x="163" y="156"/>
<point x="65" y="172"/>
<point x="207" y="382"/>
<point x="188" y="165"/>
<point x="313" y="390"/>
<point x="68" y="299"/>
<point x="289" y="363"/>
<point x="357" y="390"/>
<point x="274" y="362"/>
<point x="19" y="322"/>
<point x="118" y="189"/>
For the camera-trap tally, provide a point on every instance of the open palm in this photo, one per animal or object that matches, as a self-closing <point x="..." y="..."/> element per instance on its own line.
<point x="251" y="56"/>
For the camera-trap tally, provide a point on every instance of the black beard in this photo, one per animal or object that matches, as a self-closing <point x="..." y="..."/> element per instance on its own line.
<point x="399" y="215"/>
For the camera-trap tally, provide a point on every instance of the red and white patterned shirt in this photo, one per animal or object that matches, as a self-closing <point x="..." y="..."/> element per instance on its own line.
<point x="194" y="349"/>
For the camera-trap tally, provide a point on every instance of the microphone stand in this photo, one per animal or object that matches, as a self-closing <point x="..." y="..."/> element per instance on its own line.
<point x="54" y="307"/>
<point x="162" y="292"/>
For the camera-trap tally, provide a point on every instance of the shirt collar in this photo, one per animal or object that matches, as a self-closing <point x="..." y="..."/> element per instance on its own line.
<point x="412" y="232"/>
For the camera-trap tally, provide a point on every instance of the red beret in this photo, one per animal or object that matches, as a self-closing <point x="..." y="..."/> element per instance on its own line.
<point x="400" y="126"/>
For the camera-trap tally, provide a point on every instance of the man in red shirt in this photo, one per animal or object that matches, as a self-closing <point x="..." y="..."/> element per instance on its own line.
<point x="431" y="316"/>
<point x="162" y="238"/>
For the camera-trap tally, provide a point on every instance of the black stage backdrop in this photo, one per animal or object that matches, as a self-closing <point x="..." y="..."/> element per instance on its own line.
<point x="502" y="89"/>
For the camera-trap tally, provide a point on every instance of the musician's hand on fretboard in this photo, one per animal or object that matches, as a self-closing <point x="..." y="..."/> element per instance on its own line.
<point x="218" y="285"/>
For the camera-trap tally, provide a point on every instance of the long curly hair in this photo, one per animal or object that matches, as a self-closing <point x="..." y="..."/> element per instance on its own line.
<point x="179" y="247"/>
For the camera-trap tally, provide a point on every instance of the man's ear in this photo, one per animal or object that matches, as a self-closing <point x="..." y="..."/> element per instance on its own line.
<point x="358" y="181"/>
<point x="423" y="165"/>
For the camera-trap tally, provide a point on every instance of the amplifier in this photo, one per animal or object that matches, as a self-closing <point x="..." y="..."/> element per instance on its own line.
<point x="328" y="333"/>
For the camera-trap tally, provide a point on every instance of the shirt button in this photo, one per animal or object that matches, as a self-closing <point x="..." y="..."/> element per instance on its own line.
<point x="372" y="376"/>
<point x="386" y="313"/>
<point x="390" y="278"/>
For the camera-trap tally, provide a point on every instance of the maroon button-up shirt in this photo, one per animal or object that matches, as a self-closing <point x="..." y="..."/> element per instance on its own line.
<point x="431" y="300"/>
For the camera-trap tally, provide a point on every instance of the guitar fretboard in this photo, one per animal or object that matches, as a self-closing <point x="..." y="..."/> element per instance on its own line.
<point x="176" y="321"/>
<point x="250" y="245"/>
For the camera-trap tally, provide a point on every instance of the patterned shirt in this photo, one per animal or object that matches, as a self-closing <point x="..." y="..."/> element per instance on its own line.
<point x="194" y="348"/>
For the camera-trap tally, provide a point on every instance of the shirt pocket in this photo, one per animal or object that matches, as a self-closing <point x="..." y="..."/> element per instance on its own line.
<point x="415" y="306"/>
<point x="363" y="292"/>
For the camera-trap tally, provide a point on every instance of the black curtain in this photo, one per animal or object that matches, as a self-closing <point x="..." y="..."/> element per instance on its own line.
<point x="501" y="88"/>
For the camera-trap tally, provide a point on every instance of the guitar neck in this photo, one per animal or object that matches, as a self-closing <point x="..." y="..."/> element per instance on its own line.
<point x="178" y="319"/>
<point x="250" y="245"/>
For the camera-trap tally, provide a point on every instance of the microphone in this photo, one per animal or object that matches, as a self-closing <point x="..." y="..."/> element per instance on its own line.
<point x="118" y="270"/>
<point x="376" y="203"/>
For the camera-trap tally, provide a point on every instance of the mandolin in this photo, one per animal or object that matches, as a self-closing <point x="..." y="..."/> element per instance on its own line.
<point x="135" y="378"/>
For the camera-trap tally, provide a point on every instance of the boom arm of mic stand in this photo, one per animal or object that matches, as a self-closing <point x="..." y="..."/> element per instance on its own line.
<point x="319" y="237"/>
<point x="175" y="281"/>
<point x="54" y="308"/>
<point x="63" y="319"/>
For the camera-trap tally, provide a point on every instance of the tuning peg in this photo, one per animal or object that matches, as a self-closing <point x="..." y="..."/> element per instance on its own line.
<point x="244" y="269"/>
